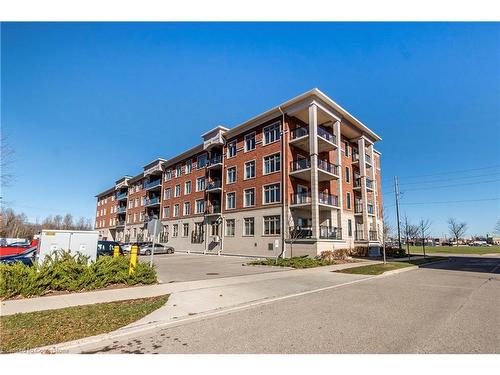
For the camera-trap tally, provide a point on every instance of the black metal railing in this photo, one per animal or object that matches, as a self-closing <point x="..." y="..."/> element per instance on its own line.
<point x="215" y="160"/>
<point x="216" y="184"/>
<point x="151" y="184"/>
<point x="300" y="232"/>
<point x="331" y="233"/>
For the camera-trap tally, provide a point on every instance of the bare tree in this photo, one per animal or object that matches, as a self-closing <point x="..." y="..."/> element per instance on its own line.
<point x="410" y="231"/>
<point x="424" y="225"/>
<point x="6" y="159"/>
<point x="456" y="229"/>
<point x="497" y="227"/>
<point x="67" y="222"/>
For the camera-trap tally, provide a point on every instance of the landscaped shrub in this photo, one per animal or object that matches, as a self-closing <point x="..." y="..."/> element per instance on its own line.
<point x="395" y="252"/>
<point x="359" y="251"/>
<point x="64" y="272"/>
<point x="332" y="255"/>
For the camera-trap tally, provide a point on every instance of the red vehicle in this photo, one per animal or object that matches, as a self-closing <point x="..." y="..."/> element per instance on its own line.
<point x="17" y="249"/>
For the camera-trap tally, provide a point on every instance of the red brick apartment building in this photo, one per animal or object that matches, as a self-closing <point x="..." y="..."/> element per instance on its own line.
<point x="302" y="177"/>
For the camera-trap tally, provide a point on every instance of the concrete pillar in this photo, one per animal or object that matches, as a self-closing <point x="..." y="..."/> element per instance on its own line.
<point x="313" y="146"/>
<point x="362" y="172"/>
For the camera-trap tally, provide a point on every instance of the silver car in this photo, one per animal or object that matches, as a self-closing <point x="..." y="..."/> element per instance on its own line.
<point x="159" y="249"/>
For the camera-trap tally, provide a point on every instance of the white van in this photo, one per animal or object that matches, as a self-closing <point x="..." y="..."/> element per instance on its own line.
<point x="73" y="241"/>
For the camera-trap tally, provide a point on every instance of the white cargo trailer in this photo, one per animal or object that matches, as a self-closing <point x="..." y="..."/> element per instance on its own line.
<point x="73" y="241"/>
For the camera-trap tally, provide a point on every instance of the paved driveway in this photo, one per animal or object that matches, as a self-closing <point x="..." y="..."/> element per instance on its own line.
<point x="188" y="267"/>
<point x="451" y="307"/>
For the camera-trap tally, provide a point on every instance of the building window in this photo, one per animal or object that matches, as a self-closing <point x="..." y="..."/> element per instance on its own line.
<point x="141" y="216"/>
<point x="250" y="169"/>
<point x="187" y="208"/>
<point x="272" y="163"/>
<point x="346" y="149"/>
<point x="202" y="161"/>
<point x="168" y="175"/>
<point x="349" y="227"/>
<point x="175" y="230"/>
<point x="272" y="225"/>
<point x="189" y="166"/>
<point x="166" y="212"/>
<point x="185" y="229"/>
<point x="272" y="193"/>
<point x="136" y="203"/>
<point x="143" y="201"/>
<point x="214" y="229"/>
<point x="249" y="197"/>
<point x="250" y="142"/>
<point x="231" y="175"/>
<point x="231" y="149"/>
<point x="178" y="170"/>
<point x="249" y="229"/>
<point x="200" y="184"/>
<point x="177" y="191"/>
<point x="348" y="200"/>
<point x="131" y="204"/>
<point x="135" y="217"/>
<point x="347" y="175"/>
<point x="167" y="193"/>
<point x="176" y="210"/>
<point x="200" y="206"/>
<point x="187" y="187"/>
<point x="271" y="133"/>
<point x="230" y="201"/>
<point x="230" y="227"/>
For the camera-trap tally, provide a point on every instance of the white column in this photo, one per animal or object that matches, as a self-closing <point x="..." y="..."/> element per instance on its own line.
<point x="313" y="146"/>
<point x="362" y="172"/>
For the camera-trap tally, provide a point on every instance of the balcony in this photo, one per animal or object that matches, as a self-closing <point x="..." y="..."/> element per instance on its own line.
<point x="121" y="210"/>
<point x="300" y="232"/>
<point x="299" y="137"/>
<point x="215" y="162"/>
<point x="121" y="196"/>
<point x="214" y="209"/>
<point x="357" y="182"/>
<point x="355" y="157"/>
<point x="328" y="199"/>
<point x="358" y="208"/>
<point x="303" y="198"/>
<point x="368" y="159"/>
<point x="359" y="235"/>
<point x="370" y="209"/>
<point x="152" y="201"/>
<point x="214" y="185"/>
<point x="373" y="235"/>
<point x="120" y="223"/>
<point x="330" y="233"/>
<point x="152" y="184"/>
<point x="330" y="170"/>
<point x="326" y="135"/>
<point x="369" y="184"/>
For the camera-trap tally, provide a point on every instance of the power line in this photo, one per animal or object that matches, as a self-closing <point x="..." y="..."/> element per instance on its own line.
<point x="448" y="172"/>
<point x="445" y="186"/>
<point x="450" y="179"/>
<point x="459" y="201"/>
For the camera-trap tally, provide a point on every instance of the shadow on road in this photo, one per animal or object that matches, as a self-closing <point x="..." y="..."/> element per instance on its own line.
<point x="467" y="264"/>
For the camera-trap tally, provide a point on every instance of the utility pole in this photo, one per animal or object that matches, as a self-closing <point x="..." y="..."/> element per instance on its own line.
<point x="396" y="193"/>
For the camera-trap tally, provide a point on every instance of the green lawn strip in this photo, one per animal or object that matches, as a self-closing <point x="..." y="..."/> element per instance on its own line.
<point x="378" y="269"/>
<point x="36" y="329"/>
<point x="297" y="262"/>
<point x="479" y="250"/>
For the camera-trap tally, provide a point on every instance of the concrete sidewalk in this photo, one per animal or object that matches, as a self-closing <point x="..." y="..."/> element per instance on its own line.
<point x="291" y="281"/>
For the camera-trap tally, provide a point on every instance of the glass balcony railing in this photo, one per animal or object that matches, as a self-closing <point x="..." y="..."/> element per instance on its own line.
<point x="298" y="165"/>
<point x="330" y="137"/>
<point x="301" y="198"/>
<point x="216" y="184"/>
<point x="152" y="201"/>
<point x="213" y="209"/>
<point x="215" y="160"/>
<point x="369" y="183"/>
<point x="328" y="167"/>
<point x="299" y="132"/>
<point x="328" y="199"/>
<point x="358" y="208"/>
<point x="152" y="184"/>
<point x="330" y="233"/>
<point x="120" y="223"/>
<point x="121" y="210"/>
<point x="368" y="159"/>
<point x="121" y="196"/>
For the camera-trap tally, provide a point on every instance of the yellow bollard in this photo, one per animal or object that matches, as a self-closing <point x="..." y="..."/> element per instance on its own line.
<point x="133" y="259"/>
<point x="116" y="251"/>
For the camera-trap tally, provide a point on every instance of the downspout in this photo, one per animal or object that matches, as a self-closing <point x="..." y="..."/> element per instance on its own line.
<point x="283" y="174"/>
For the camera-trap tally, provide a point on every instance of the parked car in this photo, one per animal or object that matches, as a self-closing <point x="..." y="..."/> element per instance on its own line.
<point x="17" y="248"/>
<point x="126" y="247"/>
<point x="26" y="257"/>
<point x="146" y="249"/>
<point x="107" y="248"/>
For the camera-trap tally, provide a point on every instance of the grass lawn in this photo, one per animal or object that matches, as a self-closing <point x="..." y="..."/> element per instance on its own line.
<point x="378" y="269"/>
<point x="31" y="330"/>
<point x="297" y="262"/>
<point x="480" y="250"/>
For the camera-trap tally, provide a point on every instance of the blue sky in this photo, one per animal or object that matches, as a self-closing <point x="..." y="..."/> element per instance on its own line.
<point x="84" y="104"/>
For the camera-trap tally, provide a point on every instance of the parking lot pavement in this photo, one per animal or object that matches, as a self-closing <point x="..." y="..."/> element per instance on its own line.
<point x="188" y="267"/>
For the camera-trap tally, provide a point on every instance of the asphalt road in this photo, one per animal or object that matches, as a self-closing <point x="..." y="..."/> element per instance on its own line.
<point x="188" y="267"/>
<point x="451" y="307"/>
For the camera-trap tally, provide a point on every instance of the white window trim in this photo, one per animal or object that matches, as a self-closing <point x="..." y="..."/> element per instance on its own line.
<point x="196" y="206"/>
<point x="264" y="163"/>
<point x="235" y="147"/>
<point x="236" y="175"/>
<point x="184" y="209"/>
<point x="244" y="227"/>
<point x="199" y="178"/>
<point x="185" y="187"/>
<point x="234" y="228"/>
<point x="264" y="193"/>
<point x="254" y="196"/>
<point x="264" y="226"/>
<point x="227" y="194"/>
<point x="245" y="141"/>
<point x="245" y="178"/>
<point x="264" y="131"/>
